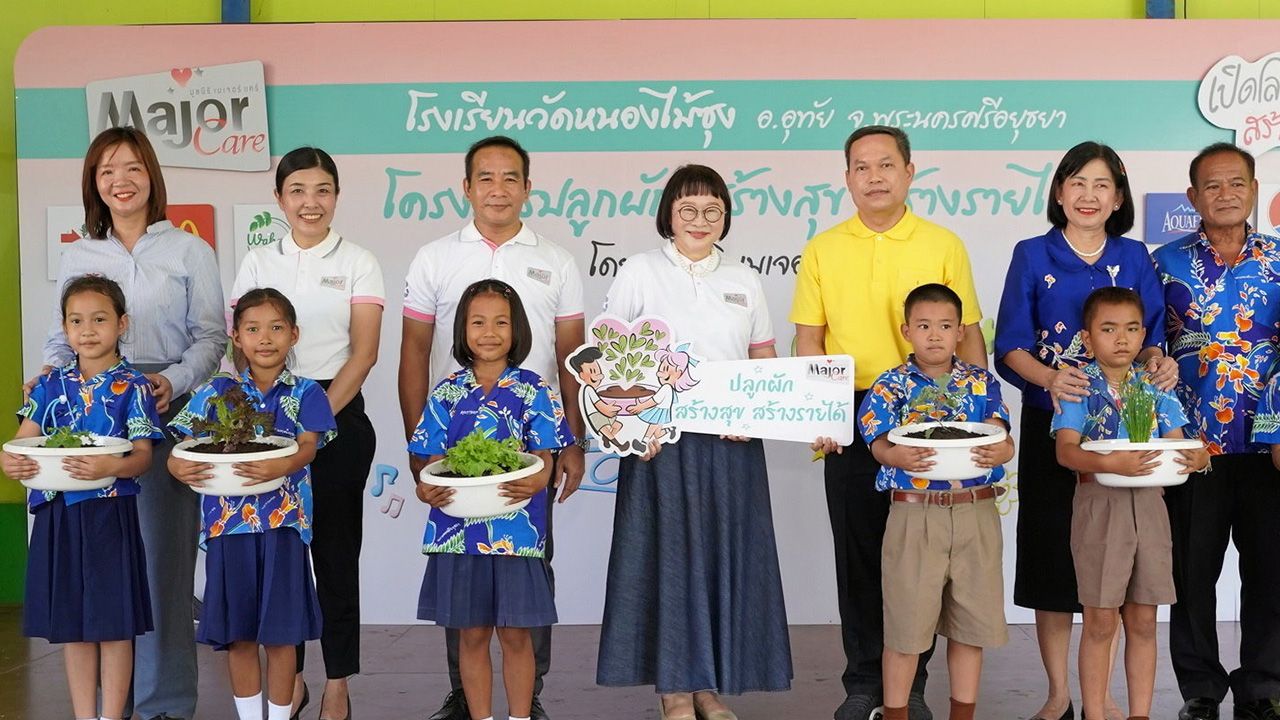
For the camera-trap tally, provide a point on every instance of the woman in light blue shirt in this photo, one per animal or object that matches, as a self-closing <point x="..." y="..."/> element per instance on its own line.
<point x="177" y="335"/>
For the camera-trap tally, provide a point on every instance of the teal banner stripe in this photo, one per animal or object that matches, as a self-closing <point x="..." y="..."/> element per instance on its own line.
<point x="681" y="116"/>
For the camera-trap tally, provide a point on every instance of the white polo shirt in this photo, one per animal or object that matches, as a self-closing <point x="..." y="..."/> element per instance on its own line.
<point x="322" y="282"/>
<point x="542" y="273"/>
<point x="722" y="312"/>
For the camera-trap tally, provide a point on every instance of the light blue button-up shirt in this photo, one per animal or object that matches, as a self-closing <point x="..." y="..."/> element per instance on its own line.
<point x="173" y="293"/>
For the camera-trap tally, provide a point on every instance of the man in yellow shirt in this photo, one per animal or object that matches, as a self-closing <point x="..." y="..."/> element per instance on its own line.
<point x="852" y="282"/>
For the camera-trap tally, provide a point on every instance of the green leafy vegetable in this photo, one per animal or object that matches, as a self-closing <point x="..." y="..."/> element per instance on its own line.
<point x="937" y="404"/>
<point x="236" y="420"/>
<point x="1137" y="410"/>
<point x="65" y="437"/>
<point x="477" y="455"/>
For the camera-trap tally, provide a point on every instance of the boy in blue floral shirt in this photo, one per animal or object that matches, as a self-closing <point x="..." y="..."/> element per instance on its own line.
<point x="1120" y="538"/>
<point x="942" y="552"/>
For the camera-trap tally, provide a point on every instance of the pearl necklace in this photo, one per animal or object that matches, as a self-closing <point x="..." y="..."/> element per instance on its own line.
<point x="1080" y="252"/>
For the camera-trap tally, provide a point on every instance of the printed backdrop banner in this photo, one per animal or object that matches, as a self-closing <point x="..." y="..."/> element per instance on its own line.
<point x="609" y="110"/>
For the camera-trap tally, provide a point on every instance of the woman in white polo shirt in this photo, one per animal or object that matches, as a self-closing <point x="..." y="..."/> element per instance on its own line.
<point x="337" y="288"/>
<point x="693" y="604"/>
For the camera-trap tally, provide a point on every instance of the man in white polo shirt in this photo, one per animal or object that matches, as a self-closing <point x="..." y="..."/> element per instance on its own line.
<point x="496" y="245"/>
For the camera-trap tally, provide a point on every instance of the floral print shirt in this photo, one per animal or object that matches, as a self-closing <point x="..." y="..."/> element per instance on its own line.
<point x="1222" y="331"/>
<point x="1097" y="417"/>
<point x="521" y="405"/>
<point x="892" y="401"/>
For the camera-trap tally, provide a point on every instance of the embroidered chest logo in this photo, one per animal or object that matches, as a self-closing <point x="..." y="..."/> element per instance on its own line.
<point x="334" y="282"/>
<point x="540" y="275"/>
<point x="739" y="299"/>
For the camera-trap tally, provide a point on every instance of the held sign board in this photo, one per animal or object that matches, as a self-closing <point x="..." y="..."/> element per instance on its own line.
<point x="212" y="117"/>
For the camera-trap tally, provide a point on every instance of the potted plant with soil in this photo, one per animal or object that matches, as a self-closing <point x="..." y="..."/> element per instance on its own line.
<point x="237" y="433"/>
<point x="1138" y="413"/>
<point x="475" y="467"/>
<point x="628" y="353"/>
<point x="64" y="442"/>
<point x="952" y="440"/>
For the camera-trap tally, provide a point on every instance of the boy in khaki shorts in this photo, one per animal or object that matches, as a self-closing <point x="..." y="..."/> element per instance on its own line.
<point x="942" y="551"/>
<point x="1120" y="539"/>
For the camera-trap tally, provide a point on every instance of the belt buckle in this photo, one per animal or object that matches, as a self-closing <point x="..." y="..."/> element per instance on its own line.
<point x="943" y="499"/>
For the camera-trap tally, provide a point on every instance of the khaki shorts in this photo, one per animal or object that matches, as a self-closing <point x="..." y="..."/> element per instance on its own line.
<point x="941" y="571"/>
<point x="1121" y="546"/>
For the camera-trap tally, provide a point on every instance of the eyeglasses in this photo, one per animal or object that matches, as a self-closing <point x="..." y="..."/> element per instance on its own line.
<point x="711" y="214"/>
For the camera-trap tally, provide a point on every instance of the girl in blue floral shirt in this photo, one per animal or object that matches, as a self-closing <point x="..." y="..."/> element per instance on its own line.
<point x="86" y="572"/>
<point x="258" y="588"/>
<point x="467" y="585"/>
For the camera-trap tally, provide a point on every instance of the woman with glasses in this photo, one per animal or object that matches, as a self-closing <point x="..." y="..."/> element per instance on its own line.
<point x="693" y="604"/>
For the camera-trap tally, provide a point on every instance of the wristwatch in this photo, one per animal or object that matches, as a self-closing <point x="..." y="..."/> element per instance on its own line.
<point x="584" y="443"/>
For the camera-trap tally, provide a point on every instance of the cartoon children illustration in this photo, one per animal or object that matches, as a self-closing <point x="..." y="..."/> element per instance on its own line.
<point x="673" y="374"/>
<point x="600" y="415"/>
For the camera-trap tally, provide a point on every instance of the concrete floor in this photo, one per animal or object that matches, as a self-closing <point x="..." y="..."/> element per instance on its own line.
<point x="404" y="677"/>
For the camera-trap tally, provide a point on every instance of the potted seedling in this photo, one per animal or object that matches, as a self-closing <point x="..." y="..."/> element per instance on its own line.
<point x="953" y="441"/>
<point x="65" y="442"/>
<point x="1138" y="414"/>
<point x="238" y="433"/>
<point x="475" y="467"/>
<point x="628" y="354"/>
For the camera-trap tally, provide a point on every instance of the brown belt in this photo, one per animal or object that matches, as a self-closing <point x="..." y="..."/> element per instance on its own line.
<point x="1083" y="478"/>
<point x="947" y="498"/>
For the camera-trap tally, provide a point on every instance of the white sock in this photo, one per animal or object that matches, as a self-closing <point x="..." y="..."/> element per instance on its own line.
<point x="277" y="712"/>
<point x="513" y="717"/>
<point x="249" y="708"/>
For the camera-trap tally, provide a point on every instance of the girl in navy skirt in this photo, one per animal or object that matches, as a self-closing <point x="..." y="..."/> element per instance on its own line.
<point x="484" y="573"/>
<point x="87" y="570"/>
<point x="258" y="588"/>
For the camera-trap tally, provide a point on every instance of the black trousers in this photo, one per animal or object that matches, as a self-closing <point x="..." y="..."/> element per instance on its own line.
<point x="541" y="636"/>
<point x="338" y="476"/>
<point x="1238" y="500"/>
<point x="858" y="515"/>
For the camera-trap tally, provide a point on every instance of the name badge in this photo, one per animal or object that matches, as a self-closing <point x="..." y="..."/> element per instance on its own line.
<point x="334" y="282"/>
<point x="739" y="299"/>
<point x="540" y="275"/>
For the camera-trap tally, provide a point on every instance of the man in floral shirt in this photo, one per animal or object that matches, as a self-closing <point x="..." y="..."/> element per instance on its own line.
<point x="1222" y="297"/>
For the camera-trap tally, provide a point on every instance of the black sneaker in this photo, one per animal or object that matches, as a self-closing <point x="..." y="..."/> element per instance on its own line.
<point x="1200" y="708"/>
<point x="917" y="709"/>
<point x="454" y="707"/>
<point x="857" y="707"/>
<point x="536" y="712"/>
<point x="1265" y="709"/>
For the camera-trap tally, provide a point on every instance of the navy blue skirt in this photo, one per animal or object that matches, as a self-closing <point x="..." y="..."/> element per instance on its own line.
<point x="693" y="599"/>
<point x="258" y="587"/>
<point x="461" y="591"/>
<point x="87" y="572"/>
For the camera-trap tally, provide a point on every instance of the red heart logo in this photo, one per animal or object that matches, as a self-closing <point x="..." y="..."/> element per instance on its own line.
<point x="181" y="75"/>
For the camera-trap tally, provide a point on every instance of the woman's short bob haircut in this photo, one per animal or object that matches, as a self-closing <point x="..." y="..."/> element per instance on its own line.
<point x="305" y="158"/>
<point x="1121" y="221"/>
<point x="97" y="216"/>
<point x="521" y="333"/>
<point x="692" y="180"/>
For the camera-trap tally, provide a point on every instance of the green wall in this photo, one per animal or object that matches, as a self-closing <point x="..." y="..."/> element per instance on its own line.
<point x="25" y="16"/>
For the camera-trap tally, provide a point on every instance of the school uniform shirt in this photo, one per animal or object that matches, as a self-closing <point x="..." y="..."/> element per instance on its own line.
<point x="1223" y="332"/>
<point x="891" y="402"/>
<point x="174" y="292"/>
<point x="1097" y="417"/>
<point x="323" y="283"/>
<point x="543" y="274"/>
<point x="716" y="304"/>
<point x="1044" y="293"/>
<point x="297" y="405"/>
<point x="521" y="405"/>
<point x="116" y="402"/>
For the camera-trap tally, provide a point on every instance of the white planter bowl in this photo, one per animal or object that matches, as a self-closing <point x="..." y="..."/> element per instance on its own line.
<point x="224" y="481"/>
<point x="51" y="476"/>
<point x="478" y="497"/>
<point x="1165" y="474"/>
<point x="954" y="460"/>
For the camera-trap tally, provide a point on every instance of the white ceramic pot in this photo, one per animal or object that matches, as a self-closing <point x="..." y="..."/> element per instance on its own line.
<point x="51" y="476"/>
<point x="478" y="497"/>
<point x="1165" y="474"/>
<point x="225" y="482"/>
<point x="954" y="460"/>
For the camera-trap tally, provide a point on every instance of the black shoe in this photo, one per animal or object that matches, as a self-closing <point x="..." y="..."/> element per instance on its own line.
<point x="857" y="707"/>
<point x="1199" y="709"/>
<point x="639" y="446"/>
<point x="1068" y="714"/>
<point x="917" y="709"/>
<point x="306" y="698"/>
<point x="165" y="716"/>
<point x="454" y="707"/>
<point x="536" y="712"/>
<point x="1265" y="709"/>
